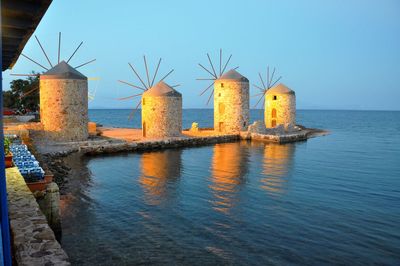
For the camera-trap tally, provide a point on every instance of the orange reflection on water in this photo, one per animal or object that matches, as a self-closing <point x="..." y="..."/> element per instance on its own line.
<point x="277" y="164"/>
<point x="229" y="167"/>
<point x="159" y="169"/>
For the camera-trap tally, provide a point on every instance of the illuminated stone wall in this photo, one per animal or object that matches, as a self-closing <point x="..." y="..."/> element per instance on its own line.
<point x="64" y="108"/>
<point x="161" y="116"/>
<point x="285" y="110"/>
<point x="231" y="105"/>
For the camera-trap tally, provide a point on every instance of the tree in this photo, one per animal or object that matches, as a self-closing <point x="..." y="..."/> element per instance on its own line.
<point x="23" y="94"/>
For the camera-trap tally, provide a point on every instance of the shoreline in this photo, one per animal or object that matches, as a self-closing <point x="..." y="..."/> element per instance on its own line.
<point x="55" y="157"/>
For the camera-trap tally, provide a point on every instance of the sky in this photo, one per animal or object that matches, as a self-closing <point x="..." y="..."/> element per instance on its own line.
<point x="333" y="54"/>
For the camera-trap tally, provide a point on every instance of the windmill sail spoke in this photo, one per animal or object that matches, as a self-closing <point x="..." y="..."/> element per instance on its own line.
<point x="259" y="100"/>
<point x="134" y="111"/>
<point x="44" y="52"/>
<point x="221" y="69"/>
<point x="25" y="75"/>
<point x="30" y="59"/>
<point x="137" y="75"/>
<point x="150" y="80"/>
<point x="209" y="98"/>
<point x="166" y="75"/>
<point x="84" y="64"/>
<point x="155" y="73"/>
<point x="206" y="89"/>
<point x="226" y="64"/>
<point x="258" y="94"/>
<point x="59" y="46"/>
<point x="207" y="71"/>
<point x="147" y="70"/>
<point x="261" y="89"/>
<point x="129" y="97"/>
<point x="177" y="85"/>
<point x="212" y="66"/>
<point x="74" y="52"/>
<point x="132" y="85"/>
<point x="276" y="81"/>
<point x="29" y="92"/>
<point x="262" y="82"/>
<point x="220" y="61"/>
<point x="272" y="77"/>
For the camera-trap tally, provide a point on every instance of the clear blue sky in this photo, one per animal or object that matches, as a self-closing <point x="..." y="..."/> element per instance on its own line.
<point x="334" y="54"/>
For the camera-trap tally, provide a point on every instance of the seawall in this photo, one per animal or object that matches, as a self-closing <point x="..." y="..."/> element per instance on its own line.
<point x="34" y="242"/>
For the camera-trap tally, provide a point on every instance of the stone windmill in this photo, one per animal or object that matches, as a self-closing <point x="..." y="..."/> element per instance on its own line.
<point x="231" y="97"/>
<point x="161" y="105"/>
<point x="279" y="104"/>
<point x="63" y="98"/>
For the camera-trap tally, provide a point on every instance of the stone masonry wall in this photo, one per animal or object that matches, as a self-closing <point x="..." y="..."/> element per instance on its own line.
<point x="34" y="242"/>
<point x="64" y="109"/>
<point x="231" y="106"/>
<point x="161" y="116"/>
<point x="285" y="106"/>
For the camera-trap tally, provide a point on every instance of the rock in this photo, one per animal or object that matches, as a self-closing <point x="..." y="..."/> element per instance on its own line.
<point x="195" y="127"/>
<point x="257" y="127"/>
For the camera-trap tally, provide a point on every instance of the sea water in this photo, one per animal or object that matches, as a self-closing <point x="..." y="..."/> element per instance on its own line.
<point x="329" y="200"/>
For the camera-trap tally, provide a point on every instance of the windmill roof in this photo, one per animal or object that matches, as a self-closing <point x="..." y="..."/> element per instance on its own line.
<point x="280" y="89"/>
<point x="63" y="71"/>
<point x="162" y="89"/>
<point x="234" y="75"/>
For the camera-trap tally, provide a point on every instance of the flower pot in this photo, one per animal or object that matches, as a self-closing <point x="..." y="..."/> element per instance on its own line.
<point x="8" y="160"/>
<point x="40" y="185"/>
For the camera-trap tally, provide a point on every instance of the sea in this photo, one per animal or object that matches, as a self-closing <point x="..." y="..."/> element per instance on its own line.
<point x="330" y="200"/>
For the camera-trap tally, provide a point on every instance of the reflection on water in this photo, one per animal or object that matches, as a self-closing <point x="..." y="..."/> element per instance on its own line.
<point x="229" y="169"/>
<point x="160" y="172"/>
<point x="276" y="166"/>
<point x="232" y="203"/>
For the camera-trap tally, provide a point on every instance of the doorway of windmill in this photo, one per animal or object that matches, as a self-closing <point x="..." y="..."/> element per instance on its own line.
<point x="221" y="126"/>
<point x="273" y="113"/>
<point x="273" y="123"/>
<point x="144" y="129"/>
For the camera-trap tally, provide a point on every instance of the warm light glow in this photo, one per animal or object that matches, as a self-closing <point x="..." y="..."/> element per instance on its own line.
<point x="277" y="164"/>
<point x="229" y="167"/>
<point x="158" y="170"/>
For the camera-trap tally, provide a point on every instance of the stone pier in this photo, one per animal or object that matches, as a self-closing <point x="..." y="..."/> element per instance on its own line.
<point x="34" y="242"/>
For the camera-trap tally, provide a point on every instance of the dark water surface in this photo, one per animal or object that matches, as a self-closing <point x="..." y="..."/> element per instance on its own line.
<point x="330" y="200"/>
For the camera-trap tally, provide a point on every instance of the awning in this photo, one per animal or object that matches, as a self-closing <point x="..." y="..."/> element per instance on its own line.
<point x="19" y="19"/>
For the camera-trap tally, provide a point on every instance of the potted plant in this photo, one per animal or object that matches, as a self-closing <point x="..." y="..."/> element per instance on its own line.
<point x="7" y="153"/>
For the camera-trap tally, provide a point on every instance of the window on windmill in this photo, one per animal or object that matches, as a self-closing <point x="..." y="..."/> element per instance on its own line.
<point x="219" y="94"/>
<point x="222" y="85"/>
<point x="143" y="101"/>
<point x="274" y="97"/>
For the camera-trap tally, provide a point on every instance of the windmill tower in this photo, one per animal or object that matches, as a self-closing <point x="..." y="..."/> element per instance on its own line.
<point x="63" y="98"/>
<point x="231" y="98"/>
<point x="280" y="103"/>
<point x="161" y="105"/>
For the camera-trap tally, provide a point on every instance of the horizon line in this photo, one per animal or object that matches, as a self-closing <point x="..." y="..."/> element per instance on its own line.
<point x="301" y="109"/>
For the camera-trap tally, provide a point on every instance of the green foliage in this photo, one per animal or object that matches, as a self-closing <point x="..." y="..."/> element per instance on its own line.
<point x="7" y="143"/>
<point x="23" y="94"/>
